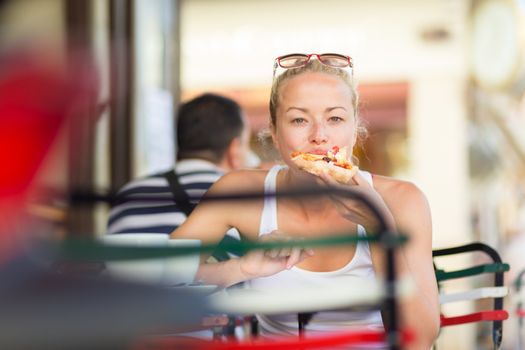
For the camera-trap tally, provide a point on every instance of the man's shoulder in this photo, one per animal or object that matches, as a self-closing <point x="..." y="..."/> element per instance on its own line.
<point x="153" y="181"/>
<point x="185" y="175"/>
<point x="196" y="166"/>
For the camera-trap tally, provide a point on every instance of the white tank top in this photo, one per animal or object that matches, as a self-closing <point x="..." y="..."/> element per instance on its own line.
<point x="357" y="270"/>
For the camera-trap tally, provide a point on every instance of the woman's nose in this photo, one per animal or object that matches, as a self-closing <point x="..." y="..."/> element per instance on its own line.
<point x="318" y="134"/>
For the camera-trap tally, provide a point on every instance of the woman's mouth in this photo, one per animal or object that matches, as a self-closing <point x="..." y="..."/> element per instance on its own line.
<point x="318" y="151"/>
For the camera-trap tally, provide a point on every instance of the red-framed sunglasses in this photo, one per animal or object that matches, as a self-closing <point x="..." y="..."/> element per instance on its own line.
<point x="296" y="60"/>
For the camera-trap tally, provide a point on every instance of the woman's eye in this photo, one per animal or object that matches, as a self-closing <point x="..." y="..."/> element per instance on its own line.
<point x="335" y="119"/>
<point x="298" y="121"/>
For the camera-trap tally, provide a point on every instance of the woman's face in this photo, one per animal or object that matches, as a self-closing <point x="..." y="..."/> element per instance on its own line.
<point x="315" y="113"/>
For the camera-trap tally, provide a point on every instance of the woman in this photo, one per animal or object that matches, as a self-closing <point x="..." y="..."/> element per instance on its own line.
<point x="313" y="107"/>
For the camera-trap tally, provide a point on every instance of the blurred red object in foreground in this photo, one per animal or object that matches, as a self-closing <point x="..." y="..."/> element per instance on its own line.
<point x="361" y="338"/>
<point x="37" y="94"/>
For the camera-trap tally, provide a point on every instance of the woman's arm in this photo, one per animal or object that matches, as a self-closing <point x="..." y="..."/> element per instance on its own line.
<point x="404" y="209"/>
<point x="209" y="222"/>
<point x="256" y="263"/>
<point x="211" y="219"/>
<point x="411" y="214"/>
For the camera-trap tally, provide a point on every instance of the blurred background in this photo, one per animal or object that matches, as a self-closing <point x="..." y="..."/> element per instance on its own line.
<point x="441" y="82"/>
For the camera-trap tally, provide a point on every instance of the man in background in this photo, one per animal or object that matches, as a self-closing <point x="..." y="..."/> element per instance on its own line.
<point x="212" y="139"/>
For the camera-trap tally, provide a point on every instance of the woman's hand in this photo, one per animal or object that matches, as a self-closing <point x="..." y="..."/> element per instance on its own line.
<point x="356" y="210"/>
<point x="262" y="263"/>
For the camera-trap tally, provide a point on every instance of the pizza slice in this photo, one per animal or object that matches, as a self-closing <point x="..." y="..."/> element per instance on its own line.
<point x="334" y="162"/>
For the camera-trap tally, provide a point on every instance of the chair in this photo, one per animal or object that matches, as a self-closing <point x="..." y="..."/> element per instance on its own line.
<point x="520" y="311"/>
<point x="497" y="291"/>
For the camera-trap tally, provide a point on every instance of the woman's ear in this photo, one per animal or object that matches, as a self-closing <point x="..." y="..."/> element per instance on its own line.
<point x="357" y="130"/>
<point x="354" y="159"/>
<point x="273" y="133"/>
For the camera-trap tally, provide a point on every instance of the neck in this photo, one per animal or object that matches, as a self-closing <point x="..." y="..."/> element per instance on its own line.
<point x="201" y="156"/>
<point x="224" y="165"/>
<point x="298" y="181"/>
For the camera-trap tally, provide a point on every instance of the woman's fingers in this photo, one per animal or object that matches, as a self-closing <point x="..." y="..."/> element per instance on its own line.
<point x="292" y="255"/>
<point x="272" y="253"/>
<point x="328" y="179"/>
<point x="361" y="181"/>
<point x="278" y="253"/>
<point x="297" y="255"/>
<point x="285" y="252"/>
<point x="276" y="236"/>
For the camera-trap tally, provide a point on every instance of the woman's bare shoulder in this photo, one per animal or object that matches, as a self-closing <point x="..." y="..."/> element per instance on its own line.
<point x="408" y="205"/>
<point x="401" y="194"/>
<point x="240" y="181"/>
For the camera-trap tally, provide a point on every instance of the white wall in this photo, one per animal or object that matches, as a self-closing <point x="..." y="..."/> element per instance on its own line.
<point x="153" y="104"/>
<point x="231" y="42"/>
<point x="438" y="150"/>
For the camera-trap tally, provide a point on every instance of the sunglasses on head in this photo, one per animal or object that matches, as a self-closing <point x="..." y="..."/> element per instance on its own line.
<point x="296" y="60"/>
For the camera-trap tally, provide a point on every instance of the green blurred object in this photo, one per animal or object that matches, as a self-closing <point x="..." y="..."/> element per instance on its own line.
<point x="91" y="250"/>
<point x="443" y="275"/>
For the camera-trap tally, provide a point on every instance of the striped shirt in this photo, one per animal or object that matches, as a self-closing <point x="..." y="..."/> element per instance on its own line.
<point x="138" y="210"/>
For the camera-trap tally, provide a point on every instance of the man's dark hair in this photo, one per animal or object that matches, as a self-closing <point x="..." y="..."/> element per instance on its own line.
<point x="206" y="125"/>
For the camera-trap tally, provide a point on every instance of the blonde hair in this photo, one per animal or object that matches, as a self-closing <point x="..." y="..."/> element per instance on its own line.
<point x="316" y="67"/>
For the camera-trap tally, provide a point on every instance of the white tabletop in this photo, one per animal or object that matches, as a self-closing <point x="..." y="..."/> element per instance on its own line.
<point x="252" y="301"/>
